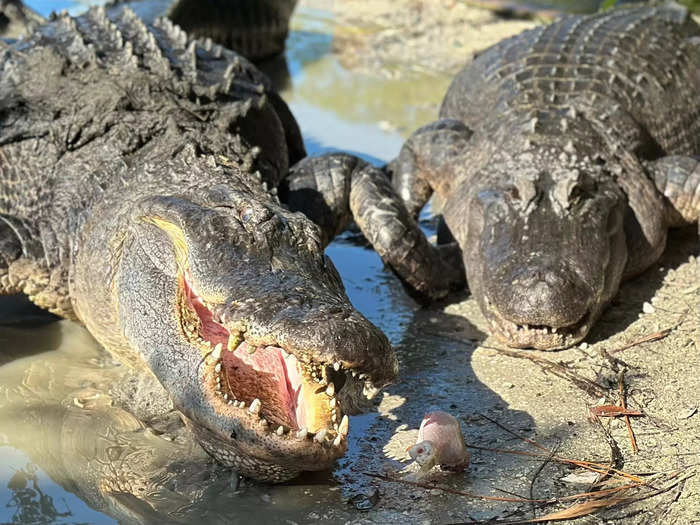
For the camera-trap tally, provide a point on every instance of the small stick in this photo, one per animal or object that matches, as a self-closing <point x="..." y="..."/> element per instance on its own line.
<point x="595" y="467"/>
<point x="633" y="440"/>
<point x="600" y="468"/>
<point x="647" y="338"/>
<point x="431" y="486"/>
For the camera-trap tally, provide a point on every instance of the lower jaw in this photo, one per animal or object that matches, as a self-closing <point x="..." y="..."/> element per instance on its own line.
<point x="230" y="454"/>
<point x="540" y="337"/>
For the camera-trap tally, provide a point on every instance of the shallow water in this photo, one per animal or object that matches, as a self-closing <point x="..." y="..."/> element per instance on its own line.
<point x="55" y="416"/>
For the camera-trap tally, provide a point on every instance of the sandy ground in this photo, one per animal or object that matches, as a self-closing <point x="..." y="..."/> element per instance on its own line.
<point x="647" y="341"/>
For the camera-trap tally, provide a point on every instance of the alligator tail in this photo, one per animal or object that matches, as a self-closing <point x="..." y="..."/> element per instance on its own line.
<point x="256" y="29"/>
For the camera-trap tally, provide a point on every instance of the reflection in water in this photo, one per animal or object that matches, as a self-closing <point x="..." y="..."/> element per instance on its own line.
<point x="30" y="503"/>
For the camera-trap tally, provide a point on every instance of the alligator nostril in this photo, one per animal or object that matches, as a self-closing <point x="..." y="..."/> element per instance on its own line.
<point x="547" y="296"/>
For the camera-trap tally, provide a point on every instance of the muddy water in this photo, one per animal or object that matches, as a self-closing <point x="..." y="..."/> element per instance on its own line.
<point x="60" y="436"/>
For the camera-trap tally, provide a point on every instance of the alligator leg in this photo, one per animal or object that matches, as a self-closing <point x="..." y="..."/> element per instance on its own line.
<point x="333" y="189"/>
<point x="426" y="162"/>
<point x="678" y="178"/>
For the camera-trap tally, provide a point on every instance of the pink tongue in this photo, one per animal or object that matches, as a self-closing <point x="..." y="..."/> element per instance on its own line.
<point x="264" y="375"/>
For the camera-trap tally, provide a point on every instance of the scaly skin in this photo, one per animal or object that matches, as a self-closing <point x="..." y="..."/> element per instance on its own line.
<point x="562" y="156"/>
<point x="134" y="173"/>
<point x="257" y="29"/>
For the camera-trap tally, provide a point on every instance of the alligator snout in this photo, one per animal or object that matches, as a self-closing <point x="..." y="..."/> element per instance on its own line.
<point x="549" y="296"/>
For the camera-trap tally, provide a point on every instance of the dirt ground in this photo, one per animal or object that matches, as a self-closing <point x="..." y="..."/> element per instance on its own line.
<point x="647" y="341"/>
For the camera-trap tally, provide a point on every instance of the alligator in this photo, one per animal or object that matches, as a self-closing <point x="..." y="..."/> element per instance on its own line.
<point x="253" y="28"/>
<point x="562" y="156"/>
<point x="138" y="176"/>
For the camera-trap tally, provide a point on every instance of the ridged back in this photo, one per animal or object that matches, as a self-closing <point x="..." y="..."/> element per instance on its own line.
<point x="643" y="60"/>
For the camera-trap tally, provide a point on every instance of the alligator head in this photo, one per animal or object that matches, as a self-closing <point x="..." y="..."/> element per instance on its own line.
<point x="544" y="244"/>
<point x="230" y="301"/>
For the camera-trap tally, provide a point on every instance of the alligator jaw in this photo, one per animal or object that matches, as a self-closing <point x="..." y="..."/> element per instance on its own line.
<point x="539" y="337"/>
<point x="281" y="397"/>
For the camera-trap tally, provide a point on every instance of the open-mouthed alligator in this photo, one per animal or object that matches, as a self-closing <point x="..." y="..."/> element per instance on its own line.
<point x="138" y="176"/>
<point x="562" y="157"/>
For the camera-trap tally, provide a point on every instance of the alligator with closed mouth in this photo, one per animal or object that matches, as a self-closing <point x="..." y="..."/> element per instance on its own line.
<point x="138" y="177"/>
<point x="562" y="157"/>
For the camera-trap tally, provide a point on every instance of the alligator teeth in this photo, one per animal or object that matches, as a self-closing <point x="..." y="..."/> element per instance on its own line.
<point x="336" y="366"/>
<point x="280" y="430"/>
<point x="255" y="406"/>
<point x="337" y="441"/>
<point x="231" y="401"/>
<point x="554" y="329"/>
<point x="233" y="342"/>
<point x="362" y="376"/>
<point x="332" y="402"/>
<point x="320" y="435"/>
<point x="241" y="404"/>
<point x="301" y="434"/>
<point x="369" y="391"/>
<point x="225" y="397"/>
<point x="216" y="353"/>
<point x="217" y="368"/>
<point x="344" y="426"/>
<point x="330" y="390"/>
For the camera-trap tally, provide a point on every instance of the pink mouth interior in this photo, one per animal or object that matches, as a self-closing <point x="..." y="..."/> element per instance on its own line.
<point x="265" y="374"/>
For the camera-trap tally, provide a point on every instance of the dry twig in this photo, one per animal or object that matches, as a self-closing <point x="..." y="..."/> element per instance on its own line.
<point x="558" y="369"/>
<point x="623" y="403"/>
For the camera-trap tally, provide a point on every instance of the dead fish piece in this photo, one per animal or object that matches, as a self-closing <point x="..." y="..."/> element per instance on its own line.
<point x="440" y="442"/>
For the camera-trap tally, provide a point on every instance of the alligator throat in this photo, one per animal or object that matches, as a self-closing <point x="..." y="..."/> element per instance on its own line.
<point x="288" y="392"/>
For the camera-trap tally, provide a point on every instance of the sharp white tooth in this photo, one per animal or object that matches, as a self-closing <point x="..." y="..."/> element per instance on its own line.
<point x="362" y="376"/>
<point x="280" y="430"/>
<point x="225" y="397"/>
<point x="216" y="353"/>
<point x="336" y="366"/>
<point x="255" y="406"/>
<point x="344" y="426"/>
<point x="331" y="403"/>
<point x="554" y="329"/>
<point x="264" y="422"/>
<point x="231" y="401"/>
<point x="241" y="404"/>
<point x="337" y="441"/>
<point x="301" y="434"/>
<point x="369" y="391"/>
<point x="330" y="390"/>
<point x="354" y="373"/>
<point x="217" y="368"/>
<point x="320" y="435"/>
